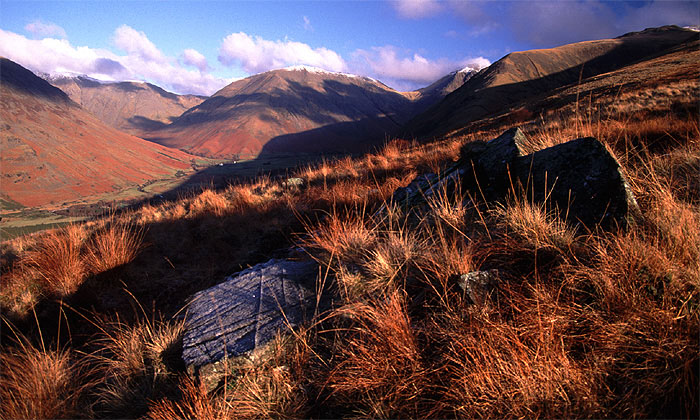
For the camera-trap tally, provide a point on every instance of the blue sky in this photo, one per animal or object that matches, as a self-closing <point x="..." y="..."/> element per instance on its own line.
<point x="200" y="46"/>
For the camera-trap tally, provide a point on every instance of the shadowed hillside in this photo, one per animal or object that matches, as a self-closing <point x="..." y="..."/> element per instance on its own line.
<point x="298" y="109"/>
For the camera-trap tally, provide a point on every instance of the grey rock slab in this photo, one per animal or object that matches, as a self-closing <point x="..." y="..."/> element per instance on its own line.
<point x="247" y="310"/>
<point x="581" y="180"/>
<point x="478" y="285"/>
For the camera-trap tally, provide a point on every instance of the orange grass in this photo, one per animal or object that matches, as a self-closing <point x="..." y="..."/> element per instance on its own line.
<point x="39" y="384"/>
<point x="586" y="324"/>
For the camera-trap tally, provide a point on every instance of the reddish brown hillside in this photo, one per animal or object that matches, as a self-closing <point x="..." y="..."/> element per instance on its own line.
<point x="131" y="107"/>
<point x="290" y="110"/>
<point x="54" y="151"/>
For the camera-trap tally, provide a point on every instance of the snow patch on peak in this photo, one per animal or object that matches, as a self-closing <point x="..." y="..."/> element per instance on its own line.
<point x="67" y="75"/>
<point x="310" y="69"/>
<point x="317" y="70"/>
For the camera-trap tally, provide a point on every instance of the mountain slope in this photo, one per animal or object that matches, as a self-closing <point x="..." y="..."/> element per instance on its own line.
<point x="54" y="151"/>
<point x="298" y="109"/>
<point x="132" y="107"/>
<point x="436" y="91"/>
<point x="523" y="77"/>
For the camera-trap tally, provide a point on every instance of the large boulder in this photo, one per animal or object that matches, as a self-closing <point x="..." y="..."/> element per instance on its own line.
<point x="580" y="180"/>
<point x="246" y="311"/>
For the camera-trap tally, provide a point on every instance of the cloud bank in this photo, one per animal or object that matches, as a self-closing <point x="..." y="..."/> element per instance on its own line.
<point x="256" y="55"/>
<point x="143" y="61"/>
<point x="409" y="71"/>
<point x="399" y="69"/>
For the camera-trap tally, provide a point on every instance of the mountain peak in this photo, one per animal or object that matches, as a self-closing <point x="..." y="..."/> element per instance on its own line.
<point x="318" y="70"/>
<point x="468" y="69"/>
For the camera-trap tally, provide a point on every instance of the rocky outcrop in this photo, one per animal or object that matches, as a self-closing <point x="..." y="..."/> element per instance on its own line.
<point x="579" y="179"/>
<point x="246" y="311"/>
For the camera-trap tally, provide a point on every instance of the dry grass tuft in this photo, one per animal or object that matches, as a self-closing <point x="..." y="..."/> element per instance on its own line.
<point x="116" y="243"/>
<point x="40" y="384"/>
<point x="195" y="403"/>
<point x="138" y="362"/>
<point x="380" y="372"/>
<point x="57" y="261"/>
<point x="342" y="235"/>
<point x="520" y="368"/>
<point x="533" y="225"/>
<point x="264" y="388"/>
<point x="209" y="201"/>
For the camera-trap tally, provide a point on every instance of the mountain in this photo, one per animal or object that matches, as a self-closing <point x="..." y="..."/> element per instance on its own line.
<point x="433" y="93"/>
<point x="133" y="107"/>
<point x="54" y="151"/>
<point x="524" y="77"/>
<point x="297" y="109"/>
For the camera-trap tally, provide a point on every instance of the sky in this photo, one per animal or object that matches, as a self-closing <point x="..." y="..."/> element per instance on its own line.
<point x="201" y="46"/>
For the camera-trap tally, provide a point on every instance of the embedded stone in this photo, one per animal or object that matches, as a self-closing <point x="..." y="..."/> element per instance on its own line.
<point x="248" y="310"/>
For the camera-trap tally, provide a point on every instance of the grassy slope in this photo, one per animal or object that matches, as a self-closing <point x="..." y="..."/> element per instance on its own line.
<point x="582" y="324"/>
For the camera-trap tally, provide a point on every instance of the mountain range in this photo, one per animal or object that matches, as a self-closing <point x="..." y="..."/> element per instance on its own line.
<point x="525" y="77"/>
<point x="298" y="109"/>
<point x="69" y="143"/>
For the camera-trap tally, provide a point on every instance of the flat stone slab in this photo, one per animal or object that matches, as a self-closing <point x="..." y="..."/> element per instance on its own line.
<point x="247" y="310"/>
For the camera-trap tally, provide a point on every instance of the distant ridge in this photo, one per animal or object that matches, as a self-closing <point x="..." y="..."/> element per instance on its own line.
<point x="133" y="107"/>
<point x="521" y="77"/>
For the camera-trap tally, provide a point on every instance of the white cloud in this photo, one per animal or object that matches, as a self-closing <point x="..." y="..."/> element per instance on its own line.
<point x="45" y="29"/>
<point x="256" y="55"/>
<point x="143" y="61"/>
<point x="307" y="24"/>
<point x="194" y="58"/>
<point x="408" y="72"/>
<point x="136" y="43"/>
<point x="416" y="9"/>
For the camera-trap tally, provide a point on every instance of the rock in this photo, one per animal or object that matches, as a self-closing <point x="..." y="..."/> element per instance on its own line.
<point x="497" y="153"/>
<point x="419" y="184"/>
<point x="416" y="194"/>
<point x="478" y="285"/>
<point x="582" y="180"/>
<point x="247" y="310"/>
<point x="296" y="183"/>
<point x="486" y="165"/>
